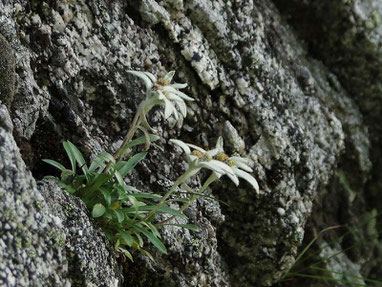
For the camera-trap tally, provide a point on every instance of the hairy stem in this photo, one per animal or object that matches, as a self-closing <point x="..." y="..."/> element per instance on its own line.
<point x="209" y="180"/>
<point x="130" y="134"/>
<point x="180" y="180"/>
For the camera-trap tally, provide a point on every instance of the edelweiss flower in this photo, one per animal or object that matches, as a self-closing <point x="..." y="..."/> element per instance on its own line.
<point x="161" y="91"/>
<point x="219" y="162"/>
<point x="238" y="164"/>
<point x="200" y="158"/>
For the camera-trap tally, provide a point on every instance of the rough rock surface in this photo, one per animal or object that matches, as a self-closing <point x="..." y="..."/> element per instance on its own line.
<point x="304" y="125"/>
<point x="46" y="238"/>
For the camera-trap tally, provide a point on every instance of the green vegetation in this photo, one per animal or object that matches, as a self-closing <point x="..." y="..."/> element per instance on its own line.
<point x="126" y="214"/>
<point x="306" y="267"/>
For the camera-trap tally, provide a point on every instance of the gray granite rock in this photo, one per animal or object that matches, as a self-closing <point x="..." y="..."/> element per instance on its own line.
<point x="46" y="238"/>
<point x="31" y="241"/>
<point x="302" y="123"/>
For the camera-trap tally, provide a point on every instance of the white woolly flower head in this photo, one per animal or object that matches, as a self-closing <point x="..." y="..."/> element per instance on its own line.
<point x="199" y="158"/>
<point x="238" y="164"/>
<point x="161" y="91"/>
<point x="219" y="162"/>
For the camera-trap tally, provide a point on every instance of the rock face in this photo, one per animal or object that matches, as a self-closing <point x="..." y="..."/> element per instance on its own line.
<point x="308" y="127"/>
<point x="46" y="238"/>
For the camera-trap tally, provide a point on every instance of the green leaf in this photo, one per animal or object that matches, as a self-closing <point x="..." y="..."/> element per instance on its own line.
<point x="55" y="164"/>
<point x="79" y="158"/>
<point x="135" y="204"/>
<point x="131" y="188"/>
<point x="100" y="161"/>
<point x="120" y="215"/>
<point x="66" y="173"/>
<point x="106" y="195"/>
<point x="141" y="140"/>
<point x="70" y="155"/>
<point x="145" y="195"/>
<point x="126" y="237"/>
<point x="68" y="187"/>
<point x="153" y="239"/>
<point x="124" y="167"/>
<point x="158" y="147"/>
<point x="126" y="253"/>
<point x="108" y="214"/>
<point x="98" y="182"/>
<point x="165" y="209"/>
<point x="192" y="227"/>
<point x="117" y="244"/>
<point x="138" y="240"/>
<point x="98" y="210"/>
<point x="119" y="178"/>
<point x="153" y="229"/>
<point x="109" y="235"/>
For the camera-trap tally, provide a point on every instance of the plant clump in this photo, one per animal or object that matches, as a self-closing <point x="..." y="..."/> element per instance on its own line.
<point x="126" y="214"/>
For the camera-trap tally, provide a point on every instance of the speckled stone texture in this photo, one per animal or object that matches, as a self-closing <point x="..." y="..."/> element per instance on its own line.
<point x="308" y="127"/>
<point x="46" y="238"/>
<point x="31" y="241"/>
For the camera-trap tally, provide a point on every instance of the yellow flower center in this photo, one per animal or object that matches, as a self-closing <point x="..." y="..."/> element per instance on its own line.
<point x="207" y="157"/>
<point x="198" y="154"/>
<point x="222" y="157"/>
<point x="163" y="82"/>
<point x="230" y="162"/>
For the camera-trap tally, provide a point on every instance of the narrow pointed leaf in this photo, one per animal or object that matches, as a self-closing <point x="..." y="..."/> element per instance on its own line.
<point x="100" y="160"/>
<point x="120" y="216"/>
<point x="138" y="239"/>
<point x="55" y="164"/>
<point x="163" y="209"/>
<point x="119" y="178"/>
<point x="126" y="253"/>
<point x="106" y="195"/>
<point x="70" y="155"/>
<point x="142" y="140"/>
<point x="153" y="239"/>
<point x="135" y="204"/>
<point x="145" y="252"/>
<point x="66" y="173"/>
<point x="153" y="229"/>
<point x="145" y="195"/>
<point x="98" y="182"/>
<point x="79" y="158"/>
<point x="124" y="167"/>
<point x="69" y="188"/>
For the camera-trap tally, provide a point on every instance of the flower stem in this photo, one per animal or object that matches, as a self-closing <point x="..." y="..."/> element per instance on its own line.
<point x="130" y="134"/>
<point x="209" y="180"/>
<point x="180" y="180"/>
<point x="119" y="153"/>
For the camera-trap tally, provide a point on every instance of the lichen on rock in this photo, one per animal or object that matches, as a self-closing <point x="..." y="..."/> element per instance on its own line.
<point x="310" y="130"/>
<point x="7" y="72"/>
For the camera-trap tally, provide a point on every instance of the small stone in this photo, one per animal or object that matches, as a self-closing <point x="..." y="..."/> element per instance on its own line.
<point x="281" y="211"/>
